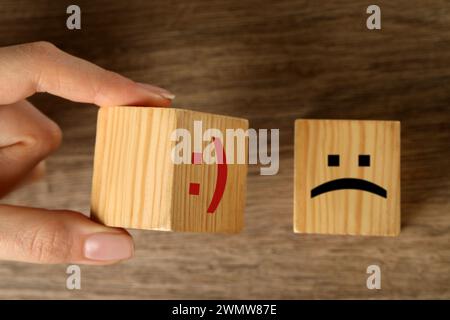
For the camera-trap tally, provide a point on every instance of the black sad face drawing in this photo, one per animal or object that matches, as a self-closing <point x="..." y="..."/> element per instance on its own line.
<point x="349" y="183"/>
<point x="347" y="177"/>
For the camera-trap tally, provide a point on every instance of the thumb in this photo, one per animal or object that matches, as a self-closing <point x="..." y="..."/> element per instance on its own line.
<point x="59" y="236"/>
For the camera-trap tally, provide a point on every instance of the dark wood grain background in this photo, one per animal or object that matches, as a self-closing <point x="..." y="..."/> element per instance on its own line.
<point x="271" y="62"/>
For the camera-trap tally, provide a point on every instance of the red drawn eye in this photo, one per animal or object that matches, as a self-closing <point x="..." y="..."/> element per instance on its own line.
<point x="194" y="188"/>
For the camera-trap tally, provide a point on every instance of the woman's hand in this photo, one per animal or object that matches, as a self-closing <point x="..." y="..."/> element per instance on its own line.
<point x="27" y="136"/>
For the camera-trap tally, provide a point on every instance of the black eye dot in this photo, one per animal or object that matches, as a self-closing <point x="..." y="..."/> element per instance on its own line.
<point x="333" y="160"/>
<point x="364" y="160"/>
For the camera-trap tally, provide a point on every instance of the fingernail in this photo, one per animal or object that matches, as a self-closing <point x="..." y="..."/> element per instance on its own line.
<point x="168" y="95"/>
<point x="160" y="91"/>
<point x="108" y="247"/>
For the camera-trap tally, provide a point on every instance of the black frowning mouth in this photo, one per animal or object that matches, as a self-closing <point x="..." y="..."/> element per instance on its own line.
<point x="349" y="183"/>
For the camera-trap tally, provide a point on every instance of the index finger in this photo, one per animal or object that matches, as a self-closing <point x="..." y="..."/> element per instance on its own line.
<point x="41" y="67"/>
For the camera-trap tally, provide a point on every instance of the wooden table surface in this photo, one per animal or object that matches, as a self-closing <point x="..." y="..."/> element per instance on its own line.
<point x="271" y="62"/>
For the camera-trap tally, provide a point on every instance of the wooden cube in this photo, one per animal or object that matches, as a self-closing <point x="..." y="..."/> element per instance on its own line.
<point x="347" y="177"/>
<point x="136" y="183"/>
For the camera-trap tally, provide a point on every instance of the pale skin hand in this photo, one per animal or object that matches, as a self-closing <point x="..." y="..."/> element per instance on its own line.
<point x="27" y="137"/>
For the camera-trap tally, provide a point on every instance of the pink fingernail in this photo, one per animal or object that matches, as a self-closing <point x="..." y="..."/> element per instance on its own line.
<point x="167" y="95"/>
<point x="108" y="246"/>
<point x="160" y="91"/>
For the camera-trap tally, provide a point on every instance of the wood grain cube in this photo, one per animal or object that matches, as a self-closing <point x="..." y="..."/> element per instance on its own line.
<point x="347" y="177"/>
<point x="136" y="183"/>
